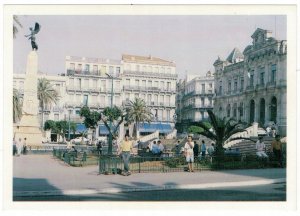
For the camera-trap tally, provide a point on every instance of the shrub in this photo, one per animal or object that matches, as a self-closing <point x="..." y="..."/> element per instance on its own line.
<point x="175" y="162"/>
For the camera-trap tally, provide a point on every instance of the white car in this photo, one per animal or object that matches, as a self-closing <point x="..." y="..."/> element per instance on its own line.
<point x="78" y="140"/>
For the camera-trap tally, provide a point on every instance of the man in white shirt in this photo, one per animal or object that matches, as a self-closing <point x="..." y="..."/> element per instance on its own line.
<point x="160" y="146"/>
<point x="155" y="149"/>
<point x="260" y="148"/>
<point x="19" y="146"/>
<point x="189" y="153"/>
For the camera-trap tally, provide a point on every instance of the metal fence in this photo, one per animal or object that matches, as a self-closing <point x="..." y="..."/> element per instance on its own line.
<point x="115" y="165"/>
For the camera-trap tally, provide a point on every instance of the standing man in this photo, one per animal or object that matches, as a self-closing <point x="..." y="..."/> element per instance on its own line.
<point x="203" y="149"/>
<point x="125" y="150"/>
<point x="211" y="149"/>
<point x="24" y="146"/>
<point x="196" y="149"/>
<point x="177" y="148"/>
<point x="19" y="146"/>
<point x="189" y="153"/>
<point x="277" y="149"/>
<point x="160" y="146"/>
<point x="155" y="149"/>
<point x="99" y="147"/>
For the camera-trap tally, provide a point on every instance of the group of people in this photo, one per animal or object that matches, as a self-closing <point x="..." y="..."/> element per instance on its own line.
<point x="203" y="149"/>
<point x="19" y="146"/>
<point x="191" y="150"/>
<point x="156" y="147"/>
<point x="271" y="131"/>
<point x="276" y="148"/>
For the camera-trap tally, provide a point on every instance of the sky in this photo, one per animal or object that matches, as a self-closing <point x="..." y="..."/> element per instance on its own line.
<point x="192" y="42"/>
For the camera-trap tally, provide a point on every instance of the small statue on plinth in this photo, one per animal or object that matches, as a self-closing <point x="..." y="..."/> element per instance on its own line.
<point x="31" y="36"/>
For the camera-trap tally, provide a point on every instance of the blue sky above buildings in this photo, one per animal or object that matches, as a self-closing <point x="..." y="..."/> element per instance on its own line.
<point x="192" y="42"/>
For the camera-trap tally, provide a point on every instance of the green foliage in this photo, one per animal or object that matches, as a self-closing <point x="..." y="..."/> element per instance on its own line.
<point x="195" y="129"/>
<point x="138" y="112"/>
<point x="220" y="130"/>
<point x="73" y="127"/>
<point x="17" y="106"/>
<point x="16" y="25"/>
<point x="46" y="93"/>
<point x="57" y="127"/>
<point x="175" y="162"/>
<point x="50" y="125"/>
<point x="112" y="114"/>
<point x="91" y="118"/>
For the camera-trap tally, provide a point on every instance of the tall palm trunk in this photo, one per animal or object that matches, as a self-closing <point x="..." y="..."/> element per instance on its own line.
<point x="137" y="129"/>
<point x="43" y="117"/>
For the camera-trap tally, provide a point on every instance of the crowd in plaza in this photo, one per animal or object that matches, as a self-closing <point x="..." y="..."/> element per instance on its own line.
<point x="189" y="149"/>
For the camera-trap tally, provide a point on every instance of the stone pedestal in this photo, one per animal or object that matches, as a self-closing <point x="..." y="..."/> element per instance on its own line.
<point x="29" y="126"/>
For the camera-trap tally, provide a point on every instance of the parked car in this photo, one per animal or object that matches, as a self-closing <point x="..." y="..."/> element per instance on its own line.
<point x="78" y="140"/>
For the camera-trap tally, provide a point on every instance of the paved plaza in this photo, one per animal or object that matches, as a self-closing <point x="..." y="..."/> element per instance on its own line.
<point x="42" y="175"/>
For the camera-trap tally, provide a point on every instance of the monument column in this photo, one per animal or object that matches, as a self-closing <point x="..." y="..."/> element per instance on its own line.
<point x="29" y="126"/>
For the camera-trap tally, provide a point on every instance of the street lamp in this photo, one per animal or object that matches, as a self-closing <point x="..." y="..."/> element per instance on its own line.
<point x="111" y="105"/>
<point x="69" y="125"/>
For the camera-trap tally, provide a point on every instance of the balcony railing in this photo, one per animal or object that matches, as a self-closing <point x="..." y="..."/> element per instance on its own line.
<point x="250" y="87"/>
<point x="91" y="105"/>
<point x="57" y="109"/>
<point x="271" y="84"/>
<point x="143" y="88"/>
<point x="71" y="72"/>
<point x="260" y="85"/>
<point x="198" y="106"/>
<point x="150" y="74"/>
<point x="160" y="104"/>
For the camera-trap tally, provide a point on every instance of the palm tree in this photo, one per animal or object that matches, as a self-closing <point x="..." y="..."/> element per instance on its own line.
<point x="17" y="106"/>
<point x="46" y="95"/>
<point x="73" y="127"/>
<point x="221" y="130"/>
<point x="138" y="112"/>
<point x="16" y="23"/>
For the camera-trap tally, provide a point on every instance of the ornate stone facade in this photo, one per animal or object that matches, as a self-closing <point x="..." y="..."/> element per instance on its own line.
<point x="251" y="87"/>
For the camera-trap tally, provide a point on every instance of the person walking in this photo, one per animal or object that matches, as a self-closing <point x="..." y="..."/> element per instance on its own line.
<point x="177" y="148"/>
<point x="203" y="149"/>
<point x="196" y="149"/>
<point x="189" y="153"/>
<point x="19" y="146"/>
<point x="24" y="146"/>
<point x="99" y="147"/>
<point x="125" y="150"/>
<point x="14" y="147"/>
<point x="276" y="147"/>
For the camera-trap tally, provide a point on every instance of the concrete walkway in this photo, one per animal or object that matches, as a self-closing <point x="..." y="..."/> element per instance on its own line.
<point x="36" y="175"/>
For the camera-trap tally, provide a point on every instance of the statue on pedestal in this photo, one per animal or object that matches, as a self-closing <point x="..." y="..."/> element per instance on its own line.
<point x="31" y="36"/>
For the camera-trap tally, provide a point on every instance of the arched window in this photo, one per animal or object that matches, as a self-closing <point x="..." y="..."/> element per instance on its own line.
<point x="252" y="111"/>
<point x="273" y="110"/>
<point x="262" y="108"/>
<point x="235" y="111"/>
<point x="241" y="109"/>
<point x="221" y="112"/>
<point x="228" y="110"/>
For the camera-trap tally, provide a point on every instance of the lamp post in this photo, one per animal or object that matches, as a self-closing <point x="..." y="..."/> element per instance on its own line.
<point x="111" y="105"/>
<point x="69" y="126"/>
